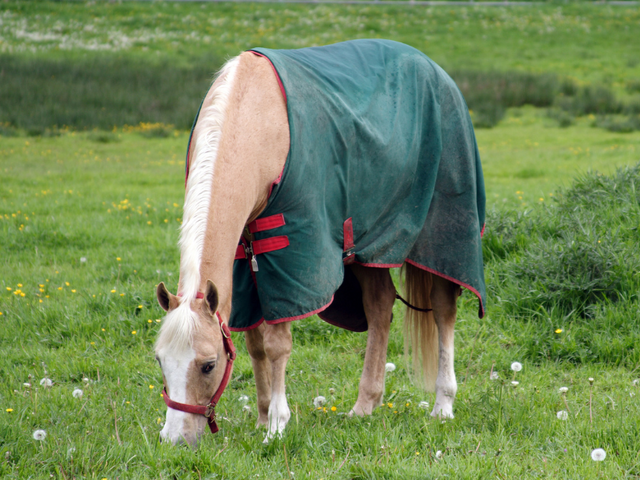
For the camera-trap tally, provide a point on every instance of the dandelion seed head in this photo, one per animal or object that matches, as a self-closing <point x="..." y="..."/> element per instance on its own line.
<point x="319" y="401"/>
<point x="494" y="376"/>
<point x="439" y="454"/>
<point x="332" y="391"/>
<point x="46" y="382"/>
<point x="83" y="259"/>
<point x="26" y="385"/>
<point x="246" y="408"/>
<point x="85" y="380"/>
<point x="515" y="383"/>
<point x="77" y="393"/>
<point x="516" y="366"/>
<point x="41" y="435"/>
<point x="243" y="399"/>
<point x="636" y="382"/>
<point x="598" y="455"/>
<point x="424" y="405"/>
<point x="562" y="415"/>
<point x="389" y="367"/>
<point x="563" y="390"/>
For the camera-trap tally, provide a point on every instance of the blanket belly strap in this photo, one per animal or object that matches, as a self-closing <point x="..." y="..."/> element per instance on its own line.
<point x="262" y="246"/>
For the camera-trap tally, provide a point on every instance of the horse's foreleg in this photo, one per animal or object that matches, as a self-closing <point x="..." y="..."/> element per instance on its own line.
<point x="261" y="370"/>
<point x="444" y="295"/>
<point x="378" y="295"/>
<point x="277" y="346"/>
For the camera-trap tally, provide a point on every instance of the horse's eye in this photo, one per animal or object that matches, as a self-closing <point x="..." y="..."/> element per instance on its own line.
<point x="208" y="367"/>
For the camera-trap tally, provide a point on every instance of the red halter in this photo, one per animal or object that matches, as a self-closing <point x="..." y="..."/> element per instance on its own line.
<point x="209" y="410"/>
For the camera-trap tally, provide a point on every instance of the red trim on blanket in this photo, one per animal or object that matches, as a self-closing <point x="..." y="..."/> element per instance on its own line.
<point x="245" y="329"/>
<point x="380" y="265"/>
<point x="482" y="231"/>
<point x="457" y="282"/>
<point x="267" y="223"/>
<point x="240" y="252"/>
<point x="299" y="317"/>
<point x="284" y="94"/>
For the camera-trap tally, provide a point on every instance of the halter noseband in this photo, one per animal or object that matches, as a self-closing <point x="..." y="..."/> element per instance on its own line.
<point x="209" y="410"/>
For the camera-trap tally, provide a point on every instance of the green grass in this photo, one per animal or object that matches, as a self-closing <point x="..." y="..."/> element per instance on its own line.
<point x="88" y="227"/>
<point x="87" y="198"/>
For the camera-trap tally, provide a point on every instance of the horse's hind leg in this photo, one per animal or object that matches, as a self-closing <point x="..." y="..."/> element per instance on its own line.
<point x="261" y="370"/>
<point x="277" y="346"/>
<point x="378" y="295"/>
<point x="444" y="295"/>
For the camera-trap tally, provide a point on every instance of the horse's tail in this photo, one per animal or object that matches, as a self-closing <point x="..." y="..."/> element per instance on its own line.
<point x="420" y="329"/>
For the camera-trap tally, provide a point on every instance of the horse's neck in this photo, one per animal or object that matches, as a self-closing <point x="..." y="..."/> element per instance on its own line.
<point x="251" y="155"/>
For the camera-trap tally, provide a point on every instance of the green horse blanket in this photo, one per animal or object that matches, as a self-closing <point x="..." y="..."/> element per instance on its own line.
<point x="383" y="168"/>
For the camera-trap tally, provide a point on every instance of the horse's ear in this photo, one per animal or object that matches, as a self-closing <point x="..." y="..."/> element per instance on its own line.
<point x="210" y="304"/>
<point x="166" y="300"/>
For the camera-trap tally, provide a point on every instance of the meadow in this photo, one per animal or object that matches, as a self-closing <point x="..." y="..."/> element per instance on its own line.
<point x="89" y="224"/>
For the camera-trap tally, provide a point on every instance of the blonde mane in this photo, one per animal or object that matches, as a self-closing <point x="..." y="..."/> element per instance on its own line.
<point x="177" y="329"/>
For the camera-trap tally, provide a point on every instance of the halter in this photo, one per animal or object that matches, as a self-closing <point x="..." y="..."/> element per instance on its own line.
<point x="209" y="410"/>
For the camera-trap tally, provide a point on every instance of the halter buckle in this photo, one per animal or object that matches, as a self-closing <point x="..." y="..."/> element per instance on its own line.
<point x="210" y="411"/>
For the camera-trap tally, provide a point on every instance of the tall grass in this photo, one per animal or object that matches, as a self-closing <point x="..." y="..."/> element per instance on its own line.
<point x="40" y="95"/>
<point x="575" y="263"/>
<point x="101" y="92"/>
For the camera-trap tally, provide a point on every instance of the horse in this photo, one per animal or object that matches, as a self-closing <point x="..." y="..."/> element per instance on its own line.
<point x="252" y="167"/>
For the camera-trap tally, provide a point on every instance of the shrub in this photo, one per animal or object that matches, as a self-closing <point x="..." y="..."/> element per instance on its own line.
<point x="572" y="256"/>
<point x="489" y="94"/>
<point x="595" y="99"/>
<point x="617" y="124"/>
<point x="563" y="118"/>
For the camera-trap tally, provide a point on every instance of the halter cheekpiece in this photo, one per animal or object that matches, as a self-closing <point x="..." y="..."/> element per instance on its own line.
<point x="209" y="410"/>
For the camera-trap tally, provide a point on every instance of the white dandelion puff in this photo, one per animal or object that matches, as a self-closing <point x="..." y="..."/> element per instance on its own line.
<point x="71" y="451"/>
<point x="77" y="393"/>
<point x="515" y="383"/>
<point x="246" y="408"/>
<point x="85" y="380"/>
<point x="83" y="259"/>
<point x="424" y="405"/>
<point x="41" y="435"/>
<point x="46" y="382"/>
<point x="494" y="376"/>
<point x="516" y="366"/>
<point x="636" y="382"/>
<point x="563" y="390"/>
<point x="562" y="415"/>
<point x="439" y="454"/>
<point x="243" y="399"/>
<point x="26" y="385"/>
<point x="319" y="401"/>
<point x="389" y="367"/>
<point x="598" y="455"/>
<point x="332" y="391"/>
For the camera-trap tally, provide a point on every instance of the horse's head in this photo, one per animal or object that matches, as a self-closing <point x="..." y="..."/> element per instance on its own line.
<point x="191" y="352"/>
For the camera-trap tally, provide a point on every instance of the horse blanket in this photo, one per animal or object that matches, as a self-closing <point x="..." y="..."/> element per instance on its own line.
<point x="383" y="168"/>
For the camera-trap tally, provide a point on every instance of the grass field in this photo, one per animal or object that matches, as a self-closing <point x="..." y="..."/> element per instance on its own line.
<point x="89" y="225"/>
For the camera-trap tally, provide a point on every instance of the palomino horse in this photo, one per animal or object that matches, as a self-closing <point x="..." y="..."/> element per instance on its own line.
<point x="245" y="156"/>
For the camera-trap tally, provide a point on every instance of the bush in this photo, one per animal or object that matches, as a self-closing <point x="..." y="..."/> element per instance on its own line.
<point x="572" y="256"/>
<point x="100" y="92"/>
<point x="489" y="94"/>
<point x="620" y="125"/>
<point x="590" y="99"/>
<point x="563" y="118"/>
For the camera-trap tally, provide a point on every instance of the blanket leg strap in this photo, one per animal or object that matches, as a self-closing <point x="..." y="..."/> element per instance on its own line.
<point x="411" y="306"/>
